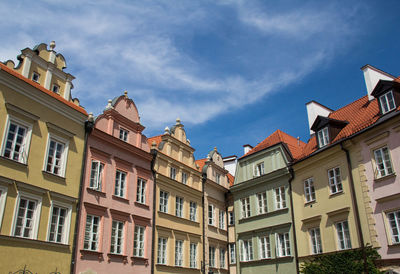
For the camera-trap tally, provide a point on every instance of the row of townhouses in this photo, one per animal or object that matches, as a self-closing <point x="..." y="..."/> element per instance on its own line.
<point x="84" y="194"/>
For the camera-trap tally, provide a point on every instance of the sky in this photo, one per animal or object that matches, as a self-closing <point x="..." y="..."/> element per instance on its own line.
<point x="232" y="71"/>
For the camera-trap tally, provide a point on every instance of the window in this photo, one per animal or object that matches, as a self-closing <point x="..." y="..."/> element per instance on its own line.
<point x="141" y="191"/>
<point x="316" y="244"/>
<point x="211" y="256"/>
<point x="3" y="195"/>
<point x="394" y="223"/>
<point x="387" y="102"/>
<point x="222" y="219"/>
<point x="309" y="190"/>
<point x="211" y="215"/>
<point x="59" y="224"/>
<point x="16" y="141"/>
<point x="35" y="77"/>
<point x="96" y="175"/>
<point x="245" y="207"/>
<point x="91" y="240"/>
<point x="246" y="250"/>
<point x="193" y="255"/>
<point x="193" y="211"/>
<point x="383" y="163"/>
<point x="55" y="88"/>
<point x="178" y="253"/>
<point x="184" y="178"/>
<point x="222" y="258"/>
<point x="55" y="158"/>
<point x="335" y="182"/>
<point x="179" y="207"/>
<point x="231" y="217"/>
<point x="218" y="178"/>
<point x="280" y="198"/>
<point x="164" y="201"/>
<point x="265" y="248"/>
<point x="232" y="253"/>
<point x="138" y="244"/>
<point x="323" y="137"/>
<point x="117" y="237"/>
<point x="120" y="178"/>
<point x="162" y="251"/>
<point x="259" y="169"/>
<point x="123" y="134"/>
<point x="262" y="202"/>
<point x="342" y="229"/>
<point x="27" y="217"/>
<point x="283" y="244"/>
<point x="172" y="173"/>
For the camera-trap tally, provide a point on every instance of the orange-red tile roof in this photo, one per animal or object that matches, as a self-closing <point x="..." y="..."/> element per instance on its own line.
<point x="201" y="163"/>
<point x="39" y="87"/>
<point x="156" y="139"/>
<point x="295" y="146"/>
<point x="231" y="179"/>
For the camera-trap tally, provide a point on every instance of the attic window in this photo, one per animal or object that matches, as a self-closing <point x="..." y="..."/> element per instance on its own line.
<point x="35" y="77"/>
<point x="387" y="102"/>
<point x="55" y="88"/>
<point x="123" y="134"/>
<point x="323" y="137"/>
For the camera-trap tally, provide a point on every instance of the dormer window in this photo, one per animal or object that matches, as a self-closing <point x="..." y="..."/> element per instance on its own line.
<point x="259" y="169"/>
<point x="323" y="137"/>
<point x="387" y="102"/>
<point x="123" y="134"/>
<point x="35" y="77"/>
<point x="55" y="88"/>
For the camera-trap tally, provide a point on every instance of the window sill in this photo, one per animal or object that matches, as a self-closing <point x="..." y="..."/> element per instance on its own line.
<point x="394" y="245"/>
<point x="95" y="191"/>
<point x="124" y="258"/>
<point x="16" y="238"/>
<point x="332" y="195"/>
<point x="122" y="199"/>
<point x="310" y="203"/>
<point x="24" y="165"/>
<point x="91" y="252"/>
<point x="53" y="175"/>
<point x="380" y="179"/>
<point x="140" y="259"/>
<point x="179" y="218"/>
<point x="142" y="205"/>
<point x="276" y="211"/>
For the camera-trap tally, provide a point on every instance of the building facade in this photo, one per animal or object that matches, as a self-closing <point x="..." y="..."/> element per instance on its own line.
<point x="115" y="225"/>
<point x="263" y="213"/>
<point x="42" y="147"/>
<point x="178" y="240"/>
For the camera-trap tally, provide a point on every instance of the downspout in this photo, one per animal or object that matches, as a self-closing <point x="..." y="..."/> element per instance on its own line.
<point x="353" y="194"/>
<point x="153" y="161"/>
<point x="89" y="124"/>
<point x="203" y="183"/>
<point x="226" y="195"/>
<point x="291" y="171"/>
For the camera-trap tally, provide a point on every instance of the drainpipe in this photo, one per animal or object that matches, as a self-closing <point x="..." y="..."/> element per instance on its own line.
<point x="153" y="161"/>
<point x="89" y="124"/>
<point x="296" y="255"/>
<point x="203" y="183"/>
<point x="355" y="204"/>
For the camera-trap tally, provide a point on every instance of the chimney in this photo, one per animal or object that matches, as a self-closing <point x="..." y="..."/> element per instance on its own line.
<point x="230" y="164"/>
<point x="247" y="148"/>
<point x="372" y="76"/>
<point x="315" y="109"/>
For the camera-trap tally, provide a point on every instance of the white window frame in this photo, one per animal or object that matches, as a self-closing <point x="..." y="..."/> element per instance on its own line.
<point x="178" y="252"/>
<point x="315" y="240"/>
<point x="211" y="214"/>
<point x="221" y="219"/>
<point x="280" y="197"/>
<point x="211" y="256"/>
<point x="394" y="226"/>
<point x="231" y="218"/>
<point x="172" y="173"/>
<point x="3" y="197"/>
<point x="138" y="242"/>
<point x="383" y="166"/>
<point x="343" y="235"/>
<point x="323" y="137"/>
<point x="64" y="156"/>
<point x="282" y="244"/>
<point x="164" y="196"/>
<point x="184" y="178"/>
<point x="97" y="182"/>
<point x="35" y="218"/>
<point x="123" y="134"/>
<point x="193" y="255"/>
<point x="246" y="250"/>
<point x="309" y="190"/>
<point x="193" y="211"/>
<point x="265" y="247"/>
<point x="179" y="207"/>
<point x="117" y="235"/>
<point x="162" y="250"/>
<point x="259" y="169"/>
<point x="141" y="191"/>
<point x="246" y="208"/>
<point x="23" y="155"/>
<point x="385" y="101"/>
<point x="232" y="253"/>
<point x="67" y="221"/>
<point x="262" y="202"/>
<point x="335" y="180"/>
<point x="120" y="183"/>
<point x="93" y="235"/>
<point x="222" y="262"/>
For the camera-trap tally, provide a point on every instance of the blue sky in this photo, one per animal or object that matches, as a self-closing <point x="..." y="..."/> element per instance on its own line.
<point x="233" y="71"/>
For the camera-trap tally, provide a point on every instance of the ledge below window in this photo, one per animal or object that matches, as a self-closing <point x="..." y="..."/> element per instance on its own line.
<point x="91" y="252"/>
<point x="380" y="179"/>
<point x="140" y="259"/>
<point x="121" y="257"/>
<point x="46" y="173"/>
<point x="23" y="165"/>
<point x="122" y="199"/>
<point x="142" y="205"/>
<point x="95" y="191"/>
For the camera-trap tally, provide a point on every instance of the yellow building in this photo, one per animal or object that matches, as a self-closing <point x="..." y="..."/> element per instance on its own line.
<point x="42" y="145"/>
<point x="178" y="206"/>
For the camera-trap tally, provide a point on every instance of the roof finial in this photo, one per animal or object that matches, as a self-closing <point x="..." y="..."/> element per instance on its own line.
<point x="298" y="140"/>
<point x="52" y="45"/>
<point x="215" y="148"/>
<point x="126" y="93"/>
<point x="90" y="117"/>
<point x="178" y="121"/>
<point x="109" y="106"/>
<point x="166" y="130"/>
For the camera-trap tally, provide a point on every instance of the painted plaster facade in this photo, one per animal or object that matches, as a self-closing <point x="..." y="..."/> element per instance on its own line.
<point x="115" y="233"/>
<point x="42" y="146"/>
<point x="178" y="241"/>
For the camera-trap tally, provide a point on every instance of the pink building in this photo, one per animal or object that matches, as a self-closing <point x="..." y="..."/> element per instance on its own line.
<point x="115" y="226"/>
